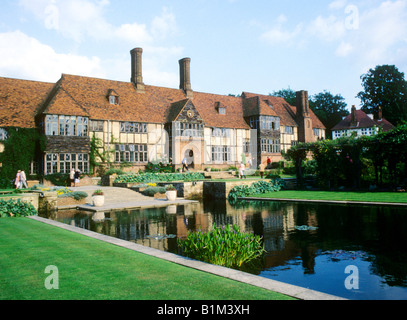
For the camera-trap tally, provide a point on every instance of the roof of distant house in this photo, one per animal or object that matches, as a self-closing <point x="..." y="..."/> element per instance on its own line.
<point x="362" y="120"/>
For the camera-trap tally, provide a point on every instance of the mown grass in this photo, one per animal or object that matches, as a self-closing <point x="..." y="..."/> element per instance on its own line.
<point x="90" y="269"/>
<point x="389" y="197"/>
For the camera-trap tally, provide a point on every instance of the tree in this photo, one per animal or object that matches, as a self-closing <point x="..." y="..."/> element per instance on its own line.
<point x="385" y="87"/>
<point x="329" y="108"/>
<point x="288" y="94"/>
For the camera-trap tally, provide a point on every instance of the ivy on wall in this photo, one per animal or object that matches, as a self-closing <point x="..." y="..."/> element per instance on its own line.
<point x="22" y="146"/>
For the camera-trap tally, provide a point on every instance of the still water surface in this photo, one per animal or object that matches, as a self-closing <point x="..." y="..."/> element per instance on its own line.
<point x="308" y="245"/>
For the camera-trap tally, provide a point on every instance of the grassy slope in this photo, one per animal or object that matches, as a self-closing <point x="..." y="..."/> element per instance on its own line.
<point x="92" y="269"/>
<point x="400" y="197"/>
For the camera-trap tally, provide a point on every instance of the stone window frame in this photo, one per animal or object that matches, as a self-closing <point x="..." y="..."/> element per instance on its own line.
<point x="64" y="162"/>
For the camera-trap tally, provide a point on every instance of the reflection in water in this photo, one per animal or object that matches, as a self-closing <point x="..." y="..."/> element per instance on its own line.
<point x="307" y="244"/>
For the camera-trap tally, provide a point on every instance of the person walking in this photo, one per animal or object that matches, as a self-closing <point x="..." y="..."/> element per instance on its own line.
<point x="76" y="178"/>
<point x="185" y="164"/>
<point x="23" y="180"/>
<point x="242" y="168"/>
<point x="18" y="182"/>
<point x="72" y="177"/>
<point x="261" y="169"/>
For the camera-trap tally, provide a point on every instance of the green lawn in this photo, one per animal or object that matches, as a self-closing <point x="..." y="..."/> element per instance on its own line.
<point x="92" y="269"/>
<point x="400" y="197"/>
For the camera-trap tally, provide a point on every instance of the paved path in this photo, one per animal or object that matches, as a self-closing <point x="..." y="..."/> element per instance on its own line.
<point x="122" y="199"/>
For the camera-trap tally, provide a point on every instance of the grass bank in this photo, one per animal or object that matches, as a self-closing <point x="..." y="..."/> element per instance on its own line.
<point x="389" y="197"/>
<point x="90" y="269"/>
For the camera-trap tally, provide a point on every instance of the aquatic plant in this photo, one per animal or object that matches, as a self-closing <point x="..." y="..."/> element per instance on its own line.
<point x="224" y="246"/>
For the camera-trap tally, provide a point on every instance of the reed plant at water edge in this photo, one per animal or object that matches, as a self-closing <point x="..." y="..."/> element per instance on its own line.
<point x="224" y="246"/>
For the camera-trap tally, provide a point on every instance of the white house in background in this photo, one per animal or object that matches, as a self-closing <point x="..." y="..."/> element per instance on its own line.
<point x="360" y="123"/>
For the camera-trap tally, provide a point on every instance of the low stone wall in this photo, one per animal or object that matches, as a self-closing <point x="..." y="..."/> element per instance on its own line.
<point x="69" y="201"/>
<point x="187" y="189"/>
<point x="32" y="198"/>
<point x="220" y="190"/>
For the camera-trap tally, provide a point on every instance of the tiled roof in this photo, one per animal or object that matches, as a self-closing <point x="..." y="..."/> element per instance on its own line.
<point x="206" y="104"/>
<point x="384" y="124"/>
<point x="279" y="107"/>
<point x="20" y="100"/>
<point x="362" y="121"/>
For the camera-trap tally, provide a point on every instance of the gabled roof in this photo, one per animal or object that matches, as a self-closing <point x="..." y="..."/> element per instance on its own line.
<point x="281" y="108"/>
<point x="362" y="120"/>
<point x="20" y="100"/>
<point x="205" y="104"/>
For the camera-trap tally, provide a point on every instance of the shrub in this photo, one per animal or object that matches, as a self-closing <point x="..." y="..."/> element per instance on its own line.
<point x="224" y="246"/>
<point x="257" y="187"/>
<point x="58" y="179"/>
<point x="112" y="171"/>
<point x="158" y="177"/>
<point x="77" y="195"/>
<point x="151" y="191"/>
<point x="159" y="167"/>
<point x="16" y="208"/>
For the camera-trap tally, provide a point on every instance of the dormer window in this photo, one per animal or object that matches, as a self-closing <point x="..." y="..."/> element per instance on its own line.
<point x="221" y="108"/>
<point x="113" y="97"/>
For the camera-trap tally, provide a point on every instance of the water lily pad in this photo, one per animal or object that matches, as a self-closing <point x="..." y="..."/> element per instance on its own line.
<point x="305" y="228"/>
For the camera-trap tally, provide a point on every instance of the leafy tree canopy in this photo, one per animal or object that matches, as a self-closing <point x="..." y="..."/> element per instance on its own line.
<point x="385" y="87"/>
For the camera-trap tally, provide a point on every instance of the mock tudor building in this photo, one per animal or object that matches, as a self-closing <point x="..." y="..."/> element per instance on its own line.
<point x="135" y="123"/>
<point x="360" y="124"/>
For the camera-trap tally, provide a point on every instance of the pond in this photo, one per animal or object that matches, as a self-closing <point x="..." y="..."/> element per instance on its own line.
<point x="356" y="252"/>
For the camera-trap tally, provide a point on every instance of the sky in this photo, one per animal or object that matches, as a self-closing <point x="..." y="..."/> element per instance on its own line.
<point x="257" y="46"/>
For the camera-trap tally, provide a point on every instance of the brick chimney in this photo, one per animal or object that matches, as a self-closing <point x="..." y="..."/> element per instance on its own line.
<point x="302" y="103"/>
<point x="305" y="129"/>
<point x="136" y="69"/>
<point x="380" y="114"/>
<point x="185" y="77"/>
<point x="353" y="120"/>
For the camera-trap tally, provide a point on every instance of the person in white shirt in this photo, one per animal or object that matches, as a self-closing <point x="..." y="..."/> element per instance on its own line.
<point x="23" y="179"/>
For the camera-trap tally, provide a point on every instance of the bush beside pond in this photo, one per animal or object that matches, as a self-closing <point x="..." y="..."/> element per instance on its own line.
<point x="16" y="208"/>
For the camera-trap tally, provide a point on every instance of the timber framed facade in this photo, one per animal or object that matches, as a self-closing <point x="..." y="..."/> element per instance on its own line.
<point x="134" y="123"/>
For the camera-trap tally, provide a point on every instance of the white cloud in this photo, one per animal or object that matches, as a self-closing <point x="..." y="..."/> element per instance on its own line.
<point x="328" y="29"/>
<point x="338" y="4"/>
<point x="26" y="58"/>
<point x="278" y="35"/>
<point x="344" y="49"/>
<point x="164" y="25"/>
<point x="87" y="20"/>
<point x="82" y="19"/>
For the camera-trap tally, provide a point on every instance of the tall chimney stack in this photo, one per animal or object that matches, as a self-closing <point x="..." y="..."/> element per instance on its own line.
<point x="353" y="120"/>
<point x="380" y="114"/>
<point x="136" y="69"/>
<point x="302" y="103"/>
<point x="305" y="129"/>
<point x="185" y="77"/>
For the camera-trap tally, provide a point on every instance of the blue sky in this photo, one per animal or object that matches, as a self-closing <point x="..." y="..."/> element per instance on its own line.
<point x="257" y="46"/>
